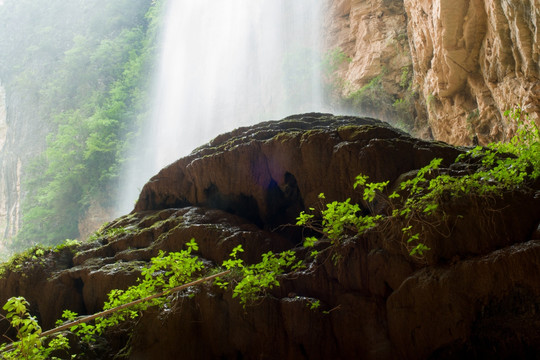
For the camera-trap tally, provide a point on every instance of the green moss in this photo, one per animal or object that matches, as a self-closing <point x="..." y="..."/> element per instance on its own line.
<point x="19" y="260"/>
<point x="353" y="133"/>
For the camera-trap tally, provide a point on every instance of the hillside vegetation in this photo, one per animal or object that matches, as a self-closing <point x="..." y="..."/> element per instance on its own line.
<point x="81" y="68"/>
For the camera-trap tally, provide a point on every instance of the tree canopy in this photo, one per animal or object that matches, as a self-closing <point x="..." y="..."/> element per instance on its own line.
<point x="80" y="71"/>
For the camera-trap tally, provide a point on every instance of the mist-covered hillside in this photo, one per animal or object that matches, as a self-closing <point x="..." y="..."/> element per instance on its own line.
<point x="75" y="75"/>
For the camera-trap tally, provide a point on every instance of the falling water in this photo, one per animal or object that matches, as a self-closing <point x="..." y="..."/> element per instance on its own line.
<point x="225" y="64"/>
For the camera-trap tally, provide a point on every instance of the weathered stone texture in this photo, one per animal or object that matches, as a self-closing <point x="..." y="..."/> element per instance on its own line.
<point x="475" y="295"/>
<point x="473" y="59"/>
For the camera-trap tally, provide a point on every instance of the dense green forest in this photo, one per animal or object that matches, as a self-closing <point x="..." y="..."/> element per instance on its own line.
<point x="83" y="68"/>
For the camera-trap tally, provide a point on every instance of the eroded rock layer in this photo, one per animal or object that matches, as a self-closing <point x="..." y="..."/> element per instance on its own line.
<point x="478" y="283"/>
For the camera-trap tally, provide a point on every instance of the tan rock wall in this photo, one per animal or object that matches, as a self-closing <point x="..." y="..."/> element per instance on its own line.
<point x="3" y="117"/>
<point x="10" y="181"/>
<point x="3" y="133"/>
<point x="472" y="59"/>
<point x="373" y="34"/>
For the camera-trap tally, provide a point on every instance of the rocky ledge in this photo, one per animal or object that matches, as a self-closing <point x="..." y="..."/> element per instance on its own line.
<point x="475" y="294"/>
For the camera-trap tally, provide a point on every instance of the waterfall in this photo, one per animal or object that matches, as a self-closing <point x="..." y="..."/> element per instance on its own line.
<point x="225" y="64"/>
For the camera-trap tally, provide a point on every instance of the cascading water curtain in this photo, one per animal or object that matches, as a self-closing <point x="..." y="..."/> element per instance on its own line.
<point x="225" y="64"/>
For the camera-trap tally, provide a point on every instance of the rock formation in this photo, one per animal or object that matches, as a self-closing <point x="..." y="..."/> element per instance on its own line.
<point x="473" y="59"/>
<point x="373" y="34"/>
<point x="441" y="69"/>
<point x="478" y="283"/>
<point x="3" y="133"/>
<point x="10" y="177"/>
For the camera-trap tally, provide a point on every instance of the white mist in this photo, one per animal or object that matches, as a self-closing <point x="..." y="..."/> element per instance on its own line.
<point x="225" y="64"/>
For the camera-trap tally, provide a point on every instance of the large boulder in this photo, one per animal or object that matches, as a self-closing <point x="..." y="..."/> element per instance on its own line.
<point x="269" y="172"/>
<point x="477" y="285"/>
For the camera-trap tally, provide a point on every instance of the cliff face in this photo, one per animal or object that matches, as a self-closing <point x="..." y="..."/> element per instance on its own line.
<point x="3" y="110"/>
<point x="478" y="283"/>
<point x="10" y="169"/>
<point x="472" y="59"/>
<point x="376" y="78"/>
<point x="3" y="190"/>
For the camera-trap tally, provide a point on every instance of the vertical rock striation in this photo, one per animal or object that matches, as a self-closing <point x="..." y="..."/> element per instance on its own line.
<point x="23" y="137"/>
<point x="472" y="59"/>
<point x="3" y="116"/>
<point x="10" y="171"/>
<point x="3" y="131"/>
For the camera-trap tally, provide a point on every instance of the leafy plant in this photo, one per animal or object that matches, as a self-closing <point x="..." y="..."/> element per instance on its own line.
<point x="166" y="272"/>
<point x="29" y="344"/>
<point x="497" y="169"/>
<point x="34" y="256"/>
<point x="18" y="260"/>
<point x="371" y="96"/>
<point x="314" y="304"/>
<point x="341" y="218"/>
<point x="255" y="279"/>
<point x="405" y="80"/>
<point x="333" y="60"/>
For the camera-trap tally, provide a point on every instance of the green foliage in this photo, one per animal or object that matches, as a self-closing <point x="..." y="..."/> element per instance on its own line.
<point x="341" y="219"/>
<point x="374" y="99"/>
<point x="371" y="190"/>
<point x="34" y="256"/>
<point x="333" y="60"/>
<point x="371" y="96"/>
<point x="314" y="304"/>
<point x="431" y="101"/>
<point x="29" y="344"/>
<point x="91" y="99"/>
<point x="19" y="260"/>
<point x="405" y="80"/>
<point x="525" y="144"/>
<point x="499" y="168"/>
<point x="403" y="109"/>
<point x="165" y="272"/>
<point x="257" y="278"/>
<point x="371" y="99"/>
<point x="110" y="232"/>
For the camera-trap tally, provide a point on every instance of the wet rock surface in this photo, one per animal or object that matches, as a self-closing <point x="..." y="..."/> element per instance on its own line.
<point x="479" y="283"/>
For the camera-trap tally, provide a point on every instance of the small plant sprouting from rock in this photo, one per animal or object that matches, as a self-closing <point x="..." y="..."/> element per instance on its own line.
<point x="33" y="256"/>
<point x="29" y="344"/>
<point x="257" y="278"/>
<point x="341" y="218"/>
<point x="165" y="273"/>
<point x="499" y="168"/>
